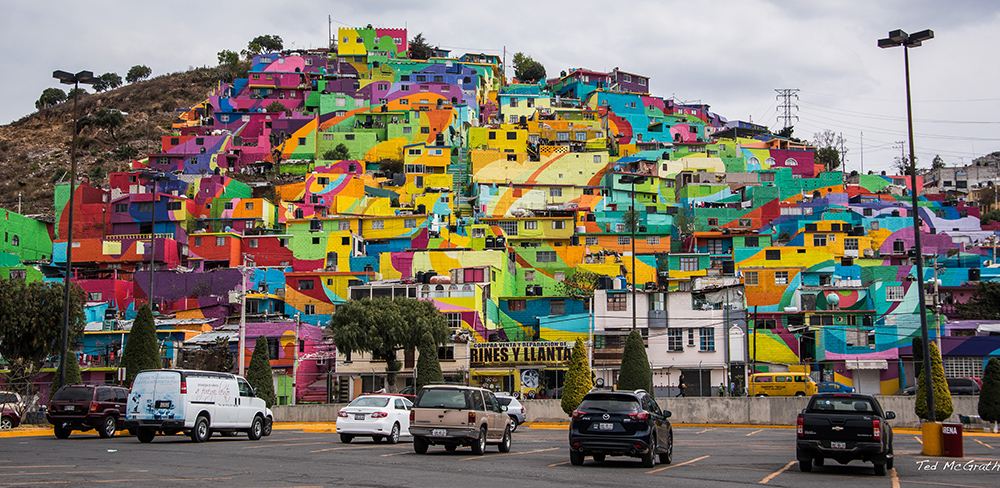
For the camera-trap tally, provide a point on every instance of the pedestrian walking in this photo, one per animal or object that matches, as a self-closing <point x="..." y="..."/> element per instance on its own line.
<point x="681" y="386"/>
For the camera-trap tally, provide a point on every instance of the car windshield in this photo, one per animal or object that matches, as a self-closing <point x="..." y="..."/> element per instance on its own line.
<point x="370" y="401"/>
<point x="609" y="403"/>
<point x="72" y="394"/>
<point x="441" y="398"/>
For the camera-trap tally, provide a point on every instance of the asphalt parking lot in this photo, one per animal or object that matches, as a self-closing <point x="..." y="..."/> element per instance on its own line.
<point x="304" y="457"/>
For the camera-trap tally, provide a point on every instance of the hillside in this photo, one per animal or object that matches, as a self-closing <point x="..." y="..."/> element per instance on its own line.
<point x="35" y="150"/>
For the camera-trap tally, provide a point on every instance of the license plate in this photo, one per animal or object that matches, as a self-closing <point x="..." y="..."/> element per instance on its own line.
<point x="439" y="432"/>
<point x="69" y="408"/>
<point x="838" y="445"/>
<point x="163" y="404"/>
<point x="605" y="426"/>
<point x="359" y="416"/>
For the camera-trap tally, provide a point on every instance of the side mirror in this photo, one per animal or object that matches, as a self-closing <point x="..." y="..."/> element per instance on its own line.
<point x="666" y="414"/>
<point x="890" y="415"/>
<point x="253" y="391"/>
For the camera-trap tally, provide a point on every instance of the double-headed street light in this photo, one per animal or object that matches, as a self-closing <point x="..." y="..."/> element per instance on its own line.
<point x="153" y="177"/>
<point x="633" y="179"/>
<point x="901" y="38"/>
<point x="75" y="80"/>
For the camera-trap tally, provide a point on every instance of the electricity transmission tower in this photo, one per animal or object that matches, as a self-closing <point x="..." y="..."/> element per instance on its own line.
<point x="786" y="107"/>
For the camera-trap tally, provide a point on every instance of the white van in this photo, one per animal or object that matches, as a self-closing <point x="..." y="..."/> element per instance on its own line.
<point x="195" y="402"/>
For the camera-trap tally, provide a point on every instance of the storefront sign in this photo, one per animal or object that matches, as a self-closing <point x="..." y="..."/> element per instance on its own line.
<point x="498" y="353"/>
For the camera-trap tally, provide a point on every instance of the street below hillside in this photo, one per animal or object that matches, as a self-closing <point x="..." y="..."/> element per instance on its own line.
<point x="703" y="457"/>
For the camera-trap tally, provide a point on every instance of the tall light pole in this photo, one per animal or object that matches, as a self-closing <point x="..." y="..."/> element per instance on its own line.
<point x="154" y="177"/>
<point x="901" y="38"/>
<point x="75" y="80"/>
<point x="633" y="179"/>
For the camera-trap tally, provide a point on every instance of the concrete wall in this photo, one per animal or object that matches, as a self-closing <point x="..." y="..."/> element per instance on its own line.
<point x="690" y="410"/>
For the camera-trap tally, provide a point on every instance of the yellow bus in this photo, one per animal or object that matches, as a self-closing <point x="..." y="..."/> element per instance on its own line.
<point x="781" y="384"/>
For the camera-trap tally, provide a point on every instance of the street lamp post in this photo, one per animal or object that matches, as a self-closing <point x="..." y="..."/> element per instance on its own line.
<point x="67" y="78"/>
<point x="633" y="179"/>
<point x="154" y="177"/>
<point x="901" y="38"/>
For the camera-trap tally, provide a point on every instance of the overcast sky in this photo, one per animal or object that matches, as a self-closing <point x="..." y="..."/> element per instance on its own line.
<point x="730" y="54"/>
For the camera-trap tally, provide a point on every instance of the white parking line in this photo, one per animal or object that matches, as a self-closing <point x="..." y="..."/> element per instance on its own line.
<point x="983" y="443"/>
<point x="508" y="454"/>
<point x="676" y="465"/>
<point x="776" y="473"/>
<point x="754" y="432"/>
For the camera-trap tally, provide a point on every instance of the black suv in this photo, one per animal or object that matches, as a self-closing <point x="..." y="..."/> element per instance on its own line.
<point x="620" y="423"/>
<point x="87" y="407"/>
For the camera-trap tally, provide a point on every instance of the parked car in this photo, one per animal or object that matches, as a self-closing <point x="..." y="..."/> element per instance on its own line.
<point x="515" y="410"/>
<point x="833" y="387"/>
<point x="379" y="416"/>
<point x="781" y="384"/>
<point x="908" y="391"/>
<point x="963" y="386"/>
<point x="620" y="423"/>
<point x="459" y="415"/>
<point x="87" y="407"/>
<point x="196" y="403"/>
<point x="9" y="418"/>
<point x="12" y="400"/>
<point x="844" y="427"/>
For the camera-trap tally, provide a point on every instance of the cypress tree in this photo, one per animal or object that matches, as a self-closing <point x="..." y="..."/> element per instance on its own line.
<point x="428" y="365"/>
<point x="578" y="379"/>
<point x="989" y="397"/>
<point x="142" y="351"/>
<point x="635" y="373"/>
<point x="259" y="373"/>
<point x="73" y="376"/>
<point x="943" y="408"/>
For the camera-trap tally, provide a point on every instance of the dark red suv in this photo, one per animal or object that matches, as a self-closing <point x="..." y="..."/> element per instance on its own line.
<point x="86" y="407"/>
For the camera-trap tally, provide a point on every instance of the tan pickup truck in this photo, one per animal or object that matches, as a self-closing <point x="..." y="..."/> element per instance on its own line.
<point x="458" y="415"/>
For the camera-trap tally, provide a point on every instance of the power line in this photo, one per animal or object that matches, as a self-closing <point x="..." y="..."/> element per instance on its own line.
<point x="786" y="106"/>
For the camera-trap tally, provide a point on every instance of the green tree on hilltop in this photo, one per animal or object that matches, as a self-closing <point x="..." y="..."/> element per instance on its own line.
<point x="578" y="378"/>
<point x="138" y="73"/>
<point x="527" y="70"/>
<point x="635" y="373"/>
<point x="142" y="351"/>
<point x="259" y="373"/>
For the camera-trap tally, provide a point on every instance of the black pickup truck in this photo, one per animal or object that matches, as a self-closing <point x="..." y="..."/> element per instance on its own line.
<point x="844" y="427"/>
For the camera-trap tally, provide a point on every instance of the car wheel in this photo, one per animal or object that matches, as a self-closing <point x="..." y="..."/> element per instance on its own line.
<point x="760" y="395"/>
<point x="880" y="469"/>
<point x="505" y="442"/>
<point x="818" y="461"/>
<point x="450" y="447"/>
<point x="393" y="435"/>
<point x="268" y="425"/>
<point x="668" y="456"/>
<point x="256" y="429"/>
<point x="600" y="457"/>
<point x="889" y="459"/>
<point x="800" y="394"/>
<point x="200" y="432"/>
<point x="513" y="423"/>
<point x="6" y="423"/>
<point x="145" y="435"/>
<point x="107" y="427"/>
<point x="61" y="432"/>
<point x="805" y="465"/>
<point x="649" y="459"/>
<point x="479" y="447"/>
<point x="576" y="458"/>
<point x="419" y="445"/>
<point x="346" y="438"/>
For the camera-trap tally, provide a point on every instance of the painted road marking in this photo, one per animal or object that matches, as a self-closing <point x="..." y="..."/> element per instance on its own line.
<point x="754" y="432"/>
<point x="342" y="448"/>
<point x="921" y="441"/>
<point x="776" y="473"/>
<point x="676" y="465"/>
<point x="396" y="453"/>
<point x="983" y="443"/>
<point x="558" y="464"/>
<point x="702" y="432"/>
<point x="894" y="478"/>
<point x="46" y="473"/>
<point x="36" y="467"/>
<point x="508" y="454"/>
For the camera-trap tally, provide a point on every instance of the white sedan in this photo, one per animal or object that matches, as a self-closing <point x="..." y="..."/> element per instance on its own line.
<point x="379" y="416"/>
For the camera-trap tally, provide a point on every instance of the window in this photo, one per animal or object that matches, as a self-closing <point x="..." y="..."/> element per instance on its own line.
<point x="378" y="224"/>
<point x="517" y="305"/>
<point x="145" y="207"/>
<point x="690" y="337"/>
<point x="590" y="241"/>
<point x="791" y="162"/>
<point x="529" y="275"/>
<point x="675" y="340"/>
<point x="716" y="246"/>
<point x="562" y="136"/>
<point x="819" y="240"/>
<point x="530" y="224"/>
<point x="344" y="225"/>
<point x="772" y="254"/>
<point x="746" y="223"/>
<point x="624" y="240"/>
<point x="310" y="309"/>
<point x="229" y="205"/>
<point x="850" y="244"/>
<point x="874" y="225"/>
<point x="894" y="293"/>
<point x="867" y="212"/>
<point x="545" y="256"/>
<point x="597" y="158"/>
<point x="197" y="241"/>
<point x="619" y="227"/>
<point x="689" y="264"/>
<point x="781" y="277"/>
<point x="252" y="243"/>
<point x="653" y="240"/>
<point x="750" y="278"/>
<point x="557" y="307"/>
<point x="751" y="241"/>
<point x="713" y="222"/>
<point x="409" y="223"/>
<point x="16" y="241"/>
<point x="509" y="227"/>
<point x="559" y="276"/>
<point x="558" y="224"/>
<point x="961" y="184"/>
<point x="707" y="339"/>
<point x="282" y="242"/>
<point x="581" y="136"/>
<point x="121" y="207"/>
<point x="555" y="192"/>
<point x="617" y="302"/>
<point x="220" y="241"/>
<point x="315" y="240"/>
<point x="306" y="284"/>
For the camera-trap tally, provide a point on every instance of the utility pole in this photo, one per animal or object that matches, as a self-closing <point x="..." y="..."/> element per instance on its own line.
<point x="785" y="96"/>
<point x="295" y="362"/>
<point x="247" y="265"/>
